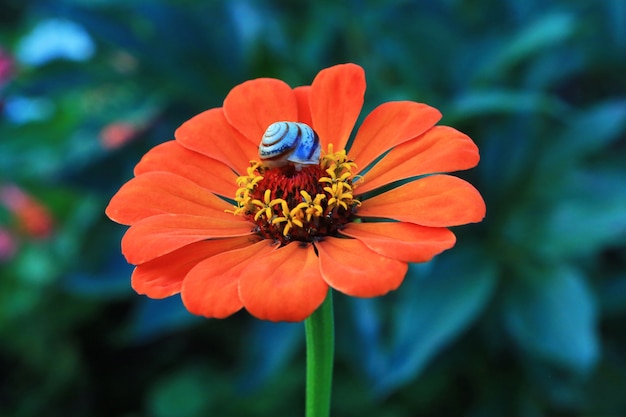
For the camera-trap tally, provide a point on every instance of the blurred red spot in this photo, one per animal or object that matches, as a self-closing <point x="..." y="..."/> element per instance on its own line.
<point x="117" y="134"/>
<point x="6" y="66"/>
<point x="8" y="245"/>
<point x="32" y="217"/>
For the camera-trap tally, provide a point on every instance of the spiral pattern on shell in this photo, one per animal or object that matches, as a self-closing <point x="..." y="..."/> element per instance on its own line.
<point x="289" y="142"/>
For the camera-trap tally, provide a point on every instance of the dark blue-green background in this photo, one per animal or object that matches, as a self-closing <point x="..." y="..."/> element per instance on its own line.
<point x="524" y="317"/>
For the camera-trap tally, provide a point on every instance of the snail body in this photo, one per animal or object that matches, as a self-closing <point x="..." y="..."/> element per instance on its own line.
<point x="286" y="143"/>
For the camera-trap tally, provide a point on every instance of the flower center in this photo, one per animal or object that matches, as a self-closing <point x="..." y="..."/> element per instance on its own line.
<point x="298" y="203"/>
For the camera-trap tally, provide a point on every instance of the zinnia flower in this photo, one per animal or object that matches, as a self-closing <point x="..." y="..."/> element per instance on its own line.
<point x="210" y="220"/>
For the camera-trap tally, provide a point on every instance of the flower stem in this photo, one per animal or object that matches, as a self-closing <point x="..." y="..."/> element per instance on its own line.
<point x="320" y="348"/>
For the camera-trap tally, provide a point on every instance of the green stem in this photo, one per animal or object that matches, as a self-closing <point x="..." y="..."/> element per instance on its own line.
<point x="320" y="348"/>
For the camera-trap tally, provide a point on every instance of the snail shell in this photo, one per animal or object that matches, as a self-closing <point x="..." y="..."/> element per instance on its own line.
<point x="289" y="142"/>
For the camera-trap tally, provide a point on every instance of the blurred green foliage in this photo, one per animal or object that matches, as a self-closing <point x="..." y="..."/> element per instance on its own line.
<point x="524" y="317"/>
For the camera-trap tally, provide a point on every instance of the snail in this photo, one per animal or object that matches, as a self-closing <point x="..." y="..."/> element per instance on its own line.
<point x="289" y="142"/>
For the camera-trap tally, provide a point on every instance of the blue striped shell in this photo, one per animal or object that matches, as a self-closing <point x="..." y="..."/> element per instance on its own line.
<point x="289" y="142"/>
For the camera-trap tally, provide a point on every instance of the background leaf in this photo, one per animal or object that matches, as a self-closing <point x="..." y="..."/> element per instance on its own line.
<point x="552" y="315"/>
<point x="270" y="347"/>
<point x="432" y="309"/>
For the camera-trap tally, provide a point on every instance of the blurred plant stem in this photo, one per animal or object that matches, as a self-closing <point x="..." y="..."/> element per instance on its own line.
<point x="320" y="348"/>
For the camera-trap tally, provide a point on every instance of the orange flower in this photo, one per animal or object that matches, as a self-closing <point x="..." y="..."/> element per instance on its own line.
<point x="290" y="232"/>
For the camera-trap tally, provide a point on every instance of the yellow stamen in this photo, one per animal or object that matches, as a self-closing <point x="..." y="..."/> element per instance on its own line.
<point x="247" y="184"/>
<point x="311" y="207"/>
<point x="289" y="217"/>
<point x="265" y="207"/>
<point x="339" y="197"/>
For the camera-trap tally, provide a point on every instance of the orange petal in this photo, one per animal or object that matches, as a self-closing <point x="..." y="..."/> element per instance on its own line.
<point x="441" y="149"/>
<point x="208" y="173"/>
<point x="157" y="192"/>
<point x="351" y="267"/>
<point x="159" y="235"/>
<point x="406" y="242"/>
<point x="336" y="100"/>
<point x="304" y="109"/>
<point x="211" y="288"/>
<point x="389" y="125"/>
<point x="253" y="105"/>
<point x="284" y="285"/>
<point x="163" y="276"/>
<point x="210" y="134"/>
<point x="436" y="201"/>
